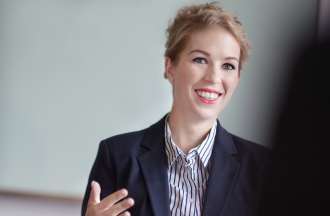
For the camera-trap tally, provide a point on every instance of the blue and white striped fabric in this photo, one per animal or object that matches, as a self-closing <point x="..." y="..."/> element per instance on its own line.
<point x="188" y="174"/>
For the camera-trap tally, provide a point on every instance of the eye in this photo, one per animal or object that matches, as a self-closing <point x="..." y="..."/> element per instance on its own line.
<point x="228" y="66"/>
<point x="200" y="60"/>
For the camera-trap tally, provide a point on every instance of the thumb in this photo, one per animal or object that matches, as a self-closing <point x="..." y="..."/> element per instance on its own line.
<point x="94" y="196"/>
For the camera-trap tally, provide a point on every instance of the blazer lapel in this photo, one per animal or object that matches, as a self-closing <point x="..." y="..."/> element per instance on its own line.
<point x="224" y="168"/>
<point x="153" y="163"/>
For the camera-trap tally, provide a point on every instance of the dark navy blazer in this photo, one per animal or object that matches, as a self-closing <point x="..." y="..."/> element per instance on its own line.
<point x="137" y="161"/>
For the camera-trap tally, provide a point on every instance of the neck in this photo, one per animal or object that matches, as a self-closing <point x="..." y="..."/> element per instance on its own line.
<point x="188" y="132"/>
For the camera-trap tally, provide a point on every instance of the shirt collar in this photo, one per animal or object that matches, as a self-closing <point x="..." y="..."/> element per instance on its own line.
<point x="203" y="150"/>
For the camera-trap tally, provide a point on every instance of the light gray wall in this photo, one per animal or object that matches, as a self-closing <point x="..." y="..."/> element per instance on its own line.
<point x="75" y="72"/>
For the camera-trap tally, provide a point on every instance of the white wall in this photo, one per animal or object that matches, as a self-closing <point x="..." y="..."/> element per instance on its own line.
<point x="73" y="72"/>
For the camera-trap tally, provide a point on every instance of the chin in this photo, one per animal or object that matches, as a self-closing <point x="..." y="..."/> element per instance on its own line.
<point x="207" y="115"/>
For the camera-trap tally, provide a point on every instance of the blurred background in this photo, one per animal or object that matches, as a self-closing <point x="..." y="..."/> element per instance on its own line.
<point x="73" y="72"/>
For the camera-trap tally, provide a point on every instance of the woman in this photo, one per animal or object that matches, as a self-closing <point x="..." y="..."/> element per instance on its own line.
<point x="185" y="164"/>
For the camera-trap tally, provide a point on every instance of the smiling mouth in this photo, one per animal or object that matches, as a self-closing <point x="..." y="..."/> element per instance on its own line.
<point x="207" y="96"/>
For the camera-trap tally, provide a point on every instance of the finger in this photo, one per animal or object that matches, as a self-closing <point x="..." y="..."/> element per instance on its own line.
<point x="121" y="206"/>
<point x="126" y="213"/>
<point x="94" y="196"/>
<point x="113" y="198"/>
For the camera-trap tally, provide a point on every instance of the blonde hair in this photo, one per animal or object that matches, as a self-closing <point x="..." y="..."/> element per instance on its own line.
<point x="198" y="17"/>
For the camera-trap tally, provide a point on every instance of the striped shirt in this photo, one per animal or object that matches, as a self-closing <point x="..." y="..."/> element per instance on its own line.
<point x="188" y="174"/>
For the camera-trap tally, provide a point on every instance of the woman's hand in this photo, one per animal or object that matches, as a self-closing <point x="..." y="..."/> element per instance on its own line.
<point x="112" y="205"/>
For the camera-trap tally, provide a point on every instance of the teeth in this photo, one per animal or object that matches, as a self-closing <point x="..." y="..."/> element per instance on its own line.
<point x="208" y="95"/>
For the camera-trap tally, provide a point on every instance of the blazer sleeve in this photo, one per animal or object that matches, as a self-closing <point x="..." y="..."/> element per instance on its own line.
<point x="102" y="172"/>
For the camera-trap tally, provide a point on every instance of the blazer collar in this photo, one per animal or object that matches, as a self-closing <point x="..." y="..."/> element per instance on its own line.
<point x="153" y="163"/>
<point x="224" y="169"/>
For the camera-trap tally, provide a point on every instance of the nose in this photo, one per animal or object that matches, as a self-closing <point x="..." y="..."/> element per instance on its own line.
<point x="213" y="74"/>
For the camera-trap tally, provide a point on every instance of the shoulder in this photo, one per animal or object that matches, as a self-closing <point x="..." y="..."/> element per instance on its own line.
<point x="245" y="146"/>
<point x="130" y="143"/>
<point x="120" y="149"/>
<point x="124" y="138"/>
<point x="255" y="159"/>
<point x="252" y="152"/>
<point x="124" y="142"/>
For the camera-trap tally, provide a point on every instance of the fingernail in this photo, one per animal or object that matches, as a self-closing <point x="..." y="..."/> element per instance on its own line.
<point x="130" y="201"/>
<point x="124" y="192"/>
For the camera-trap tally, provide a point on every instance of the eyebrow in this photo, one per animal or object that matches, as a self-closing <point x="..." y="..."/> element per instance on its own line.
<point x="200" y="51"/>
<point x="232" y="58"/>
<point x="208" y="54"/>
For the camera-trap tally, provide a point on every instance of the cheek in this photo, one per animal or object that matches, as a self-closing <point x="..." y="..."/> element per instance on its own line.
<point x="231" y="83"/>
<point x="186" y="76"/>
<point x="185" y="79"/>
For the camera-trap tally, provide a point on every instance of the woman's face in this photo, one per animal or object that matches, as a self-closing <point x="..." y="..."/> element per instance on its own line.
<point x="206" y="73"/>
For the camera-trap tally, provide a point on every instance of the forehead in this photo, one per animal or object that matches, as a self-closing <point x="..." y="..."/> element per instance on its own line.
<point x="215" y="40"/>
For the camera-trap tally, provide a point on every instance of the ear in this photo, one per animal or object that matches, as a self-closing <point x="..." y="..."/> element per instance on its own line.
<point x="169" y="69"/>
